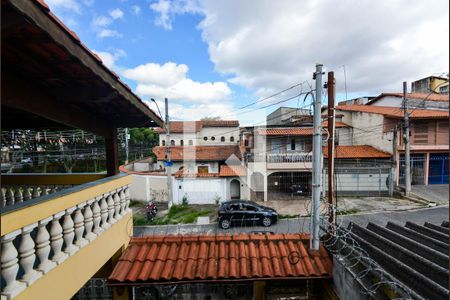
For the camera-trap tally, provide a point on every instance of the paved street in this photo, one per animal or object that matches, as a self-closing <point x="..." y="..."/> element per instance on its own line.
<point x="433" y="215"/>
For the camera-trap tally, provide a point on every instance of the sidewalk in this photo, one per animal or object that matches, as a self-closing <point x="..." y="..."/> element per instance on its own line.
<point x="345" y="205"/>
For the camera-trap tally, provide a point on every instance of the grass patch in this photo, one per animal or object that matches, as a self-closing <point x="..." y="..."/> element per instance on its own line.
<point x="135" y="203"/>
<point x="181" y="214"/>
<point x="177" y="214"/>
<point x="280" y="216"/>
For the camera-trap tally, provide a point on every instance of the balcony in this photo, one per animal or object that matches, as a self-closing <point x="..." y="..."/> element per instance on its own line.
<point x="289" y="161"/>
<point x="57" y="231"/>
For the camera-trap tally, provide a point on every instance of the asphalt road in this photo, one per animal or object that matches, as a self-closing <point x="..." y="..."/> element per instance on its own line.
<point x="433" y="215"/>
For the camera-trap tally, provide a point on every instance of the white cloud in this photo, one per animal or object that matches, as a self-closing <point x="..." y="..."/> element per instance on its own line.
<point x="101" y="21"/>
<point x="136" y="9"/>
<point x="163" y="8"/>
<point x="268" y="45"/>
<point x="189" y="112"/>
<point x="109" y="58"/>
<point x="170" y="80"/>
<point x="116" y="13"/>
<point x="189" y="99"/>
<point x="100" y="24"/>
<point x="71" y="5"/>
<point x="103" y="33"/>
<point x="168" y="9"/>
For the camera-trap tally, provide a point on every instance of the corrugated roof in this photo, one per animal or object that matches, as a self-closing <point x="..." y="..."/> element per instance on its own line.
<point x="159" y="259"/>
<point x="232" y="171"/>
<point x="415" y="255"/>
<point x="196" y="126"/>
<point x="205" y="153"/>
<point x="357" y="151"/>
<point x="395" y="112"/>
<point x="419" y="96"/>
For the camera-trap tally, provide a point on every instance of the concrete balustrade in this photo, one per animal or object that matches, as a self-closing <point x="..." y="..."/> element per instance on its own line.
<point x="31" y="251"/>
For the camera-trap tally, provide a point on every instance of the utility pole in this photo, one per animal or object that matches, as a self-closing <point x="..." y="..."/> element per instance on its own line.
<point x="168" y="160"/>
<point x="127" y="137"/>
<point x="317" y="157"/>
<point x="394" y="162"/>
<point x="331" y="123"/>
<point x="406" y="142"/>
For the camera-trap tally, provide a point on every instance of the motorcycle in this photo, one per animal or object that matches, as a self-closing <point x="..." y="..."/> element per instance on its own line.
<point x="152" y="210"/>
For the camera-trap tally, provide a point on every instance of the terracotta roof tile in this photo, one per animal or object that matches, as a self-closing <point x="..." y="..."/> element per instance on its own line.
<point x="337" y="124"/>
<point x="296" y="131"/>
<point x="420" y="96"/>
<point x="357" y="151"/>
<point x="231" y="171"/>
<point x="395" y="112"/>
<point x="226" y="257"/>
<point x="204" y="153"/>
<point x="196" y="126"/>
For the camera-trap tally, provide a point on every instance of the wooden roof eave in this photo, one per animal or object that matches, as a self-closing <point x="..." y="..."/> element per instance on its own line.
<point x="58" y="34"/>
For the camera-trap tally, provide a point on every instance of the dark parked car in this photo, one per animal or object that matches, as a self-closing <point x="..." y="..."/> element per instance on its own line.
<point x="242" y="212"/>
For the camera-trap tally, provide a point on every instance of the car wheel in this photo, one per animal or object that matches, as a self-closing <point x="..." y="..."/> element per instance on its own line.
<point x="224" y="223"/>
<point x="266" y="221"/>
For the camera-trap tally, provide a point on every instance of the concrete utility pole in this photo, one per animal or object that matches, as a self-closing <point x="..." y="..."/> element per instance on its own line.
<point x="394" y="162"/>
<point x="406" y="142"/>
<point x="127" y="137"/>
<point x="331" y="123"/>
<point x="168" y="159"/>
<point x="317" y="158"/>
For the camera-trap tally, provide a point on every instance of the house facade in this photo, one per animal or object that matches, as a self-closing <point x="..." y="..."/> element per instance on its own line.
<point x="429" y="84"/>
<point x="381" y="128"/>
<point x="207" y="158"/>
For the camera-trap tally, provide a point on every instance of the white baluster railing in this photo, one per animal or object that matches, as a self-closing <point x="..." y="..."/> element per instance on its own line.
<point x="10" y="265"/>
<point x="13" y="194"/>
<point x="75" y="227"/>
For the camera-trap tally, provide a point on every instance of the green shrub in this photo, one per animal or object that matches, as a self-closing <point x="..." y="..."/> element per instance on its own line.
<point x="185" y="200"/>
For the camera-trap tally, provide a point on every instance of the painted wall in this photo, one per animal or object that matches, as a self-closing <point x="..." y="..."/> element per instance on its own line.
<point x="209" y="133"/>
<point x="420" y="104"/>
<point x="199" y="190"/>
<point x="368" y="130"/>
<point x="149" y="187"/>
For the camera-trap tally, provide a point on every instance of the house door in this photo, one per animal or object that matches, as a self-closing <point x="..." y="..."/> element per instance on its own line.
<point x="235" y="189"/>
<point x="438" y="169"/>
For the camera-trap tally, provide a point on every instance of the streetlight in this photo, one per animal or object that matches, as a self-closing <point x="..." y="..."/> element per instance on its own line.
<point x="157" y="106"/>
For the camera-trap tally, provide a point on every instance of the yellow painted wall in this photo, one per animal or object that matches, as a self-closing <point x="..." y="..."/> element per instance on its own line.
<point x="29" y="215"/>
<point x="66" y="279"/>
<point x="436" y="83"/>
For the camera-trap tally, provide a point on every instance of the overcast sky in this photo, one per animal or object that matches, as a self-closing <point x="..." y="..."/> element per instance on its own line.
<point x="212" y="57"/>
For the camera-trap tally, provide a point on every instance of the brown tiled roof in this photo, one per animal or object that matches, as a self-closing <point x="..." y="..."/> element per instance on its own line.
<point x="420" y="96"/>
<point x="221" y="123"/>
<point x="395" y="112"/>
<point x="231" y="171"/>
<point x="337" y="124"/>
<point x="205" y="153"/>
<point x="182" y="127"/>
<point x="357" y="151"/>
<point x="297" y="131"/>
<point x="196" y="126"/>
<point x="157" y="259"/>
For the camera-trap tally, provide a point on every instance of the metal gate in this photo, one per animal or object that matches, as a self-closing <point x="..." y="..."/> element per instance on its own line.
<point x="438" y="168"/>
<point x="417" y="163"/>
<point x="94" y="289"/>
<point x="289" y="185"/>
